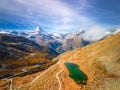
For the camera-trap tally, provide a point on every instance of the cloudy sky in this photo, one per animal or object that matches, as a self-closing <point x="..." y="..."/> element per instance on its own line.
<point x="58" y="16"/>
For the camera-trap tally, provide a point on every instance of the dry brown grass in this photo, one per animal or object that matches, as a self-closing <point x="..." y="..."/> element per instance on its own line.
<point x="28" y="63"/>
<point x="18" y="81"/>
<point x="48" y="81"/>
<point x="97" y="61"/>
<point x="4" y="84"/>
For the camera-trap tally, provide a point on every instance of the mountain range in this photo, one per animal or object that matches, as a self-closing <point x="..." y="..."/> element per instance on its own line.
<point x="28" y="60"/>
<point x="60" y="42"/>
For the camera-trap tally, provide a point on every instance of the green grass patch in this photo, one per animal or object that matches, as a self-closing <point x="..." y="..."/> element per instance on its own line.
<point x="76" y="74"/>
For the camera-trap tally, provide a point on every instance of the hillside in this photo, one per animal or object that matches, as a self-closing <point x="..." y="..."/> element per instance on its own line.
<point x="100" y="62"/>
<point x="19" y="54"/>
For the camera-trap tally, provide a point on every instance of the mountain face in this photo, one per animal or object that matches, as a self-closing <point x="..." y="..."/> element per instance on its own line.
<point x="44" y="39"/>
<point x="39" y="31"/>
<point x="57" y="42"/>
<point x="60" y="42"/>
<point x="13" y="43"/>
<point x="72" y="41"/>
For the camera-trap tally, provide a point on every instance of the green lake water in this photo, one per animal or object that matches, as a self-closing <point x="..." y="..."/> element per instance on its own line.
<point x="75" y="73"/>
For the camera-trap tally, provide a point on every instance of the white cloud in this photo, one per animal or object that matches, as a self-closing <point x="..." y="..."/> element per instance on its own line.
<point x="94" y="33"/>
<point x="56" y="13"/>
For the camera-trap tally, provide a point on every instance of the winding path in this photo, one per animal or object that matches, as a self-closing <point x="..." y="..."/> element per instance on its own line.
<point x="42" y="74"/>
<point x="11" y="84"/>
<point x="57" y="76"/>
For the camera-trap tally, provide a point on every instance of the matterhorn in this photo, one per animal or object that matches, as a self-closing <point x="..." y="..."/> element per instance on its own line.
<point x="39" y="31"/>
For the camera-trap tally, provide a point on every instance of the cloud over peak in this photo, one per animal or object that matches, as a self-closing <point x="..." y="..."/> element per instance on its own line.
<point x="94" y="33"/>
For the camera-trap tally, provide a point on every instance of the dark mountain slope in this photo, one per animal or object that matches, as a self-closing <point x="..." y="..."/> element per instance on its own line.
<point x="18" y="53"/>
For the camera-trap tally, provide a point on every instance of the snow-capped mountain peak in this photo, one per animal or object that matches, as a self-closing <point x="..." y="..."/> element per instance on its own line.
<point x="40" y="31"/>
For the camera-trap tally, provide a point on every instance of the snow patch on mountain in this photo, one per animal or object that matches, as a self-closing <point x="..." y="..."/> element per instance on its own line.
<point x="39" y="31"/>
<point x="63" y="42"/>
<point x="3" y="31"/>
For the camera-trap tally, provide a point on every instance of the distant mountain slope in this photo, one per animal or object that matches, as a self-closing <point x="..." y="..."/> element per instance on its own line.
<point x="63" y="42"/>
<point x="72" y="41"/>
<point x="15" y="44"/>
<point x="17" y="52"/>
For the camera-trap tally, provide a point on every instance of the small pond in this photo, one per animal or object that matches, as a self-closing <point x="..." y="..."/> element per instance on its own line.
<point x="76" y="74"/>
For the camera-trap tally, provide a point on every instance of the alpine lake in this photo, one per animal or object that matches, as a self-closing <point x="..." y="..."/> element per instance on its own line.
<point x="76" y="74"/>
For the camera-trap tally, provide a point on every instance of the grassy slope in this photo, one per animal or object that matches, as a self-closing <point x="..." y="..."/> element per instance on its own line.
<point x="100" y="61"/>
